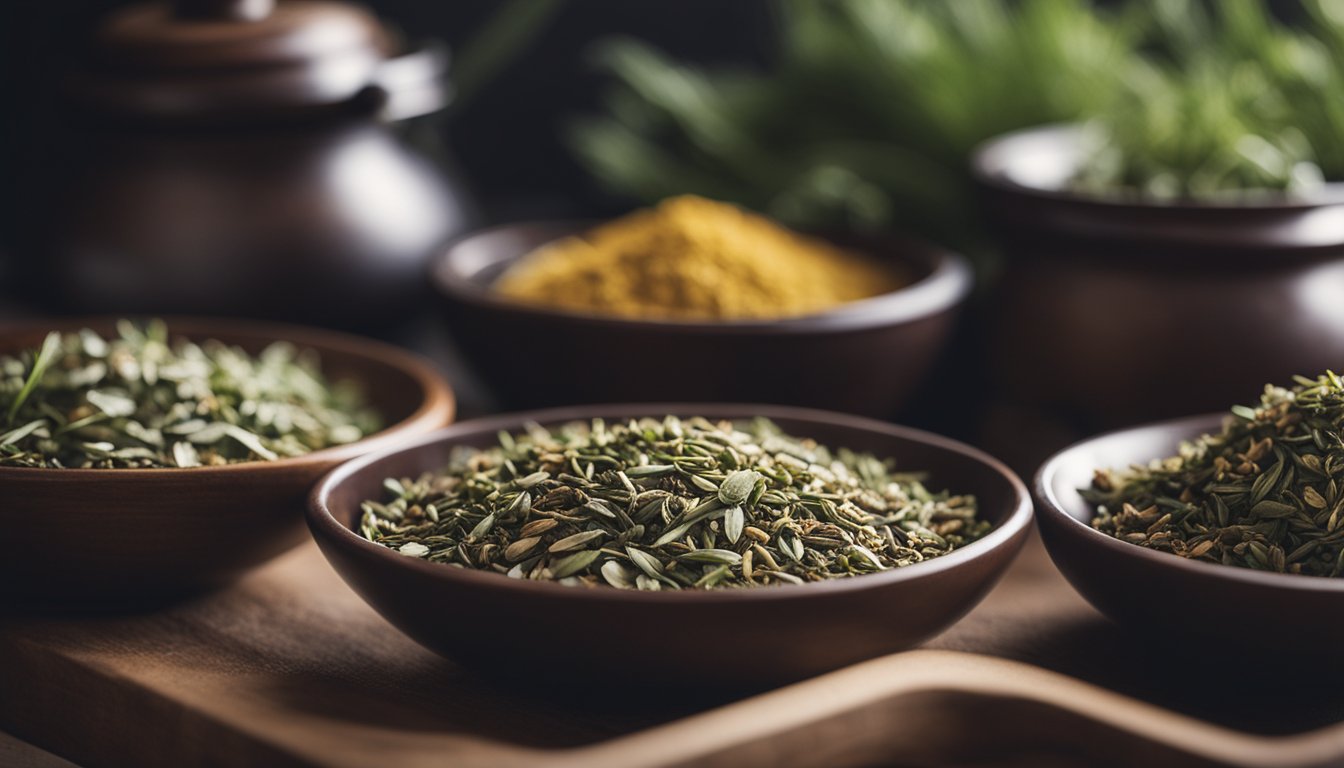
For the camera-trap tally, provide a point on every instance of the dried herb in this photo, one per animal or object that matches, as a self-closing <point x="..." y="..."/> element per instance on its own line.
<point x="1264" y="493"/>
<point x="139" y="400"/>
<point x="669" y="504"/>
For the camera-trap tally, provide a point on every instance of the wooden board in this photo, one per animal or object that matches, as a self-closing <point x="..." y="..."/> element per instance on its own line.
<point x="20" y="754"/>
<point x="291" y="668"/>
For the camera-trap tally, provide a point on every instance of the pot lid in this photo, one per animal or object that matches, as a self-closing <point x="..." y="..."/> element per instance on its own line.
<point x="223" y="59"/>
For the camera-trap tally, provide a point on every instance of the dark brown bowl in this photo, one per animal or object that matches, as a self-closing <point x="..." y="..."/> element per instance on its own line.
<point x="729" y="637"/>
<point x="1183" y="601"/>
<point x="1118" y="310"/>
<point x="79" y="539"/>
<point x="866" y="357"/>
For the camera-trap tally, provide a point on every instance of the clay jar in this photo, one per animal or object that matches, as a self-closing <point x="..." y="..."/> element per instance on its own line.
<point x="240" y="158"/>
<point x="1117" y="311"/>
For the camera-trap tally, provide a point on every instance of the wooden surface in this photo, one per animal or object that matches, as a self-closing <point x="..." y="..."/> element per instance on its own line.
<point x="290" y="668"/>
<point x="20" y="754"/>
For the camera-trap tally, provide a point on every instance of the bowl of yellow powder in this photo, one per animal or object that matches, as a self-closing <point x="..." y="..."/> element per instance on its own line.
<point x="696" y="300"/>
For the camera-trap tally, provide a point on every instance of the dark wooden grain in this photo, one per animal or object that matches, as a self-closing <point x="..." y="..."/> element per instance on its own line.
<point x="289" y="667"/>
<point x="15" y="753"/>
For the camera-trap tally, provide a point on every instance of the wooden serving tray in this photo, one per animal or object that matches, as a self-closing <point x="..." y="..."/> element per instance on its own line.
<point x="291" y="668"/>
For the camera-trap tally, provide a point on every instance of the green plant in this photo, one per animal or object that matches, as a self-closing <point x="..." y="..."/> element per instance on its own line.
<point x="866" y="118"/>
<point x="1228" y="101"/>
<point x="868" y="115"/>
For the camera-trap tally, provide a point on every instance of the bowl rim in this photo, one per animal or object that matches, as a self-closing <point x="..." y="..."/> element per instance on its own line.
<point x="949" y="281"/>
<point x="991" y="162"/>
<point x="438" y="403"/>
<point x="1184" y="428"/>
<point x="325" y="527"/>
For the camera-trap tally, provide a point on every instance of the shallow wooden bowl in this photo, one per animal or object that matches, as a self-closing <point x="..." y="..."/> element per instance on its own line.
<point x="115" y="538"/>
<point x="1178" y="600"/>
<point x="734" y="637"/>
<point x="866" y="357"/>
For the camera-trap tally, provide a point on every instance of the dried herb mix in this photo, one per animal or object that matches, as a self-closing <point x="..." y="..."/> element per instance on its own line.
<point x="1267" y="492"/>
<point x="670" y="504"/>
<point x="138" y="401"/>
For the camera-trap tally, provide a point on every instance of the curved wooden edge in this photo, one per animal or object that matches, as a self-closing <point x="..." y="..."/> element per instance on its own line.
<point x="20" y="754"/>
<point x="947" y="706"/>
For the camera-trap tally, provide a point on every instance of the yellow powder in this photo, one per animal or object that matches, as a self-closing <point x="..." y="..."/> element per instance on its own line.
<point x="695" y="259"/>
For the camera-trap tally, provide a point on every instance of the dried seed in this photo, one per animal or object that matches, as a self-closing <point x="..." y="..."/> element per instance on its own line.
<point x="737" y="487"/>
<point x="618" y="575"/>
<point x="1262" y="493"/>
<point x="576" y="541"/>
<point x="538" y="527"/>
<point x="520" y="548"/>
<point x="733" y="521"/>
<point x="722" y="556"/>
<point x="640" y="506"/>
<point x="1313" y="498"/>
<point x="568" y="566"/>
<point x="413" y="549"/>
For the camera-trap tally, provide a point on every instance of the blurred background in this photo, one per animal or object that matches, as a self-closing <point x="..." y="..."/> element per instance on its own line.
<point x="1176" y="246"/>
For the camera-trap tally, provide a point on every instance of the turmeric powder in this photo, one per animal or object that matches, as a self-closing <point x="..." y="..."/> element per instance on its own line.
<point x="695" y="259"/>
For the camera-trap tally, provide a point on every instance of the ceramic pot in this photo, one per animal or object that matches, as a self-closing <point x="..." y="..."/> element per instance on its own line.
<point x="866" y="357"/>
<point x="234" y="158"/>
<point x="1117" y="310"/>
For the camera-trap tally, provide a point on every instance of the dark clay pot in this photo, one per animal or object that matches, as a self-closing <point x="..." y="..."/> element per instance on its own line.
<point x="242" y="157"/>
<point x="329" y="223"/>
<point x="1115" y="311"/>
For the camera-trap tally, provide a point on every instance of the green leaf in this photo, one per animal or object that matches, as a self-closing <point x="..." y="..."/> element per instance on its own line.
<point x="15" y="435"/>
<point x="250" y="441"/>
<point x="114" y="403"/>
<point x="51" y="346"/>
<point x="185" y="455"/>
<point x="513" y="27"/>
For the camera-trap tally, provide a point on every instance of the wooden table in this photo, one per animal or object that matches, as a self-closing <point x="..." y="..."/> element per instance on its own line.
<point x="291" y="668"/>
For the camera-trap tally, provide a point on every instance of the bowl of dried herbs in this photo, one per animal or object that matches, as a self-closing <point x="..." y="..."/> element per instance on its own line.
<point x="699" y="300"/>
<point x="148" y="460"/>
<point x="1225" y="527"/>
<point x="701" y="544"/>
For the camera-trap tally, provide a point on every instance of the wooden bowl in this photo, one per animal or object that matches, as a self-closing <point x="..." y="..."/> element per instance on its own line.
<point x="731" y="637"/>
<point x="80" y="539"/>
<point x="1166" y="594"/>
<point x="865" y="357"/>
